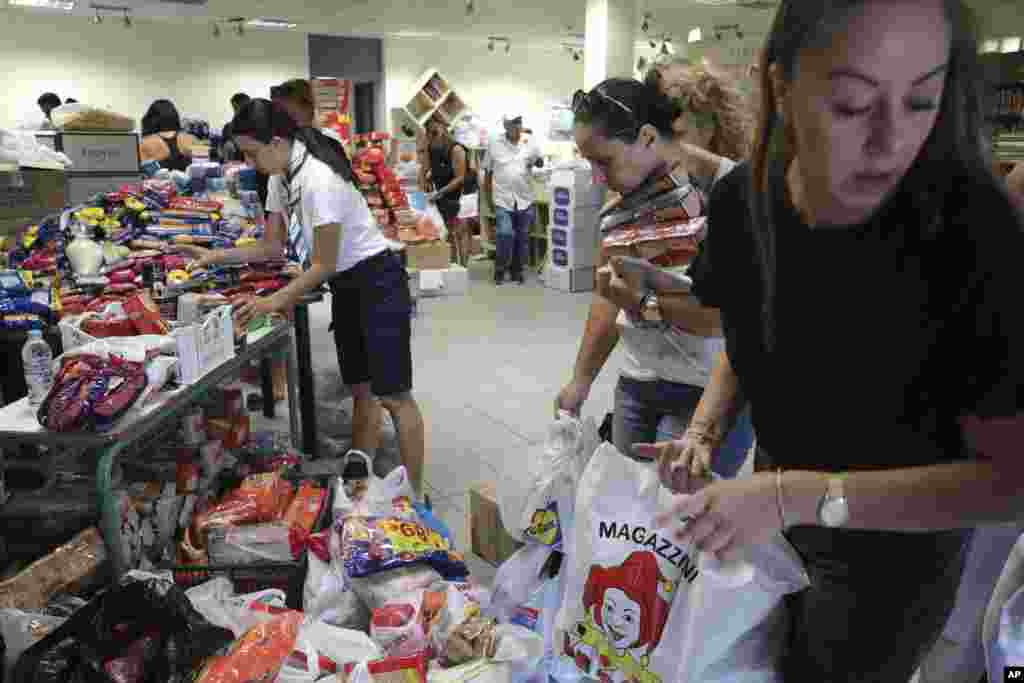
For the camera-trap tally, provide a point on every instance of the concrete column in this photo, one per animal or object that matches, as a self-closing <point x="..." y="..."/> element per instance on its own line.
<point x="610" y="42"/>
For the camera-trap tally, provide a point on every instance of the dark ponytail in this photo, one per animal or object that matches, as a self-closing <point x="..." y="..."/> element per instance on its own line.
<point x="645" y="102"/>
<point x="264" y="120"/>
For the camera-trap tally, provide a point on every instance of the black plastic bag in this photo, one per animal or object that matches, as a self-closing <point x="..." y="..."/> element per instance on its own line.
<point x="605" y="432"/>
<point x="150" y="619"/>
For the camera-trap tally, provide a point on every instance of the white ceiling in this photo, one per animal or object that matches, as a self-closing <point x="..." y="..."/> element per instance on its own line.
<point x="530" y="22"/>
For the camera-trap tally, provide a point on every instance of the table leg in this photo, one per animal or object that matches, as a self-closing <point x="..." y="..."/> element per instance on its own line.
<point x="293" y="391"/>
<point x="307" y="394"/>
<point x="267" y="387"/>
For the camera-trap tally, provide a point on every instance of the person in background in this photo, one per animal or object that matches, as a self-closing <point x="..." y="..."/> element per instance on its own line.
<point x="47" y="103"/>
<point x="229" y="149"/>
<point x="444" y="179"/>
<point x="665" y="369"/>
<point x="163" y="139"/>
<point x="296" y="97"/>
<point x="313" y="184"/>
<point x="886" y="391"/>
<point x="507" y="178"/>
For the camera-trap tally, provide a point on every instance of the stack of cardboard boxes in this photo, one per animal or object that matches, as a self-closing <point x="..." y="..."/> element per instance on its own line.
<point x="574" y="235"/>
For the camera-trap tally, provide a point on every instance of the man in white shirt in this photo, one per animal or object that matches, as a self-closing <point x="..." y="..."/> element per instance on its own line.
<point x="507" y="179"/>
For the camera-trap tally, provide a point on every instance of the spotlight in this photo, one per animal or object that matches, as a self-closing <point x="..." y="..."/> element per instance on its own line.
<point x="718" y="36"/>
<point x="652" y="44"/>
<point x="664" y="49"/>
<point x="490" y="45"/>
<point x="739" y="34"/>
<point x="216" y="30"/>
<point x="508" y="47"/>
<point x="127" y="19"/>
<point x="97" y="18"/>
<point x="470" y="7"/>
<point x="240" y="29"/>
<point x="646" y="26"/>
<point x="576" y="56"/>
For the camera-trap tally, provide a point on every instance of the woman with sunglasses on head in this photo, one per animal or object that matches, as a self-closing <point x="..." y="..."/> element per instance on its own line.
<point x="630" y="132"/>
<point x="370" y="304"/>
<point x="865" y="266"/>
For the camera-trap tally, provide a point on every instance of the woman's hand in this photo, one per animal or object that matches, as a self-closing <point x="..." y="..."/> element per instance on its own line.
<point x="684" y="466"/>
<point x="254" y="308"/>
<point x="726" y="516"/>
<point x="201" y="256"/>
<point x="617" y="290"/>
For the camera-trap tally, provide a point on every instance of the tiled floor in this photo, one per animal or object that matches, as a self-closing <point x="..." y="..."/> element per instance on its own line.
<point x="487" y="368"/>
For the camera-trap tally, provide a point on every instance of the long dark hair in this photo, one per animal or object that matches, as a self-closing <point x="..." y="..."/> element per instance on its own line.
<point x="619" y="107"/>
<point x="264" y="120"/>
<point x="161" y="116"/>
<point x="951" y="153"/>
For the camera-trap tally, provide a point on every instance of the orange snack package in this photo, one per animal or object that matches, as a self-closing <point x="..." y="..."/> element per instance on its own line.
<point x="258" y="655"/>
<point x="305" y="508"/>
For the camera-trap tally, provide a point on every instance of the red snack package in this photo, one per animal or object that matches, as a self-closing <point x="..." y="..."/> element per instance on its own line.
<point x="121" y="288"/>
<point x="116" y="327"/>
<point x="145" y="315"/>
<point x="412" y="669"/>
<point x="260" y="498"/>
<point x="123" y="276"/>
<point x="258" y="655"/>
<point x="304" y="509"/>
<point x="190" y="204"/>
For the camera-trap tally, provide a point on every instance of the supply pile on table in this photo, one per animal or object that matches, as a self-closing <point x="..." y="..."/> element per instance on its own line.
<point x="115" y="270"/>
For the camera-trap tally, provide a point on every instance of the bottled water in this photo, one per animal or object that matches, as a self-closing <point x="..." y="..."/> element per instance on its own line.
<point x="37" y="358"/>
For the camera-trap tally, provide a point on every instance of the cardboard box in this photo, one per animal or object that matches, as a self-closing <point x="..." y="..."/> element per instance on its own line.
<point x="30" y="194"/>
<point x="101" y="152"/>
<point x="570" y="279"/>
<point x="568" y="248"/>
<point x="489" y="539"/>
<point x="575" y="189"/>
<point x="434" y="255"/>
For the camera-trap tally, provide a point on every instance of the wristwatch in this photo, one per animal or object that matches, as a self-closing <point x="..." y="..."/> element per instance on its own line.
<point x="650" y="309"/>
<point x="833" y="511"/>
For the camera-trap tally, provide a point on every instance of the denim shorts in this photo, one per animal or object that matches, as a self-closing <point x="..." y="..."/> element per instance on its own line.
<point x="372" y="310"/>
<point x="649" y="412"/>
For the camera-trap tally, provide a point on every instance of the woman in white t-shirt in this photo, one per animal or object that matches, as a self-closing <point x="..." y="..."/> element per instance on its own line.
<point x="312" y="183"/>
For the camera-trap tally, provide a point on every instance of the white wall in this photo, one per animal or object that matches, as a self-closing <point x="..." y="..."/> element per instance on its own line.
<point x="491" y="84"/>
<point x="126" y="69"/>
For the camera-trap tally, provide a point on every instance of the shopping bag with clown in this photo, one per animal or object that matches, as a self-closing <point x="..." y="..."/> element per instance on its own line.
<point x="640" y="608"/>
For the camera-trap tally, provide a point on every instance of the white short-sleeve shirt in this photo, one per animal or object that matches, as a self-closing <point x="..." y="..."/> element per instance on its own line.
<point x="318" y="196"/>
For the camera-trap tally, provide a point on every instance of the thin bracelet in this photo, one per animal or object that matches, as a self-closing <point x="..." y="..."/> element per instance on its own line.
<point x="778" y="497"/>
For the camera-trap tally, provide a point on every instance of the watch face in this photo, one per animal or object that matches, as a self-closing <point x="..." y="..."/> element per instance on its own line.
<point x="834" y="512"/>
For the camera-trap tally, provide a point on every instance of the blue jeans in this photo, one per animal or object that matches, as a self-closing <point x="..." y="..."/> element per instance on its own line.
<point x="649" y="412"/>
<point x="513" y="232"/>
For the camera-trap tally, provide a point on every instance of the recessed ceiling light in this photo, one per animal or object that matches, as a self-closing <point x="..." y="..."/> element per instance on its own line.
<point x="65" y="5"/>
<point x="270" y="23"/>
<point x="1011" y="44"/>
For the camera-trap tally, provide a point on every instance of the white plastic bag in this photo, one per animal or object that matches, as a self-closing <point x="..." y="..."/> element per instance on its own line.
<point x="217" y="602"/>
<point x="321" y="650"/>
<point x="22" y="630"/>
<point x="388" y="497"/>
<point x="517" y="580"/>
<point x="399" y="627"/>
<point x="638" y="606"/>
<point x="538" y="506"/>
<point x="469" y="206"/>
<point x="327" y="597"/>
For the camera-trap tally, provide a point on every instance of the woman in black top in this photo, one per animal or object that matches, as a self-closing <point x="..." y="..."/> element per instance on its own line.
<point x="866" y="268"/>
<point x="163" y="139"/>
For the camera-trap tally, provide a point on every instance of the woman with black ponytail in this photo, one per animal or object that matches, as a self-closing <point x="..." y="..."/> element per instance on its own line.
<point x="627" y="130"/>
<point x="312" y="182"/>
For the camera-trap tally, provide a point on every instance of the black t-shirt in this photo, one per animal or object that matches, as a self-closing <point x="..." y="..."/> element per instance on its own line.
<point x="883" y="337"/>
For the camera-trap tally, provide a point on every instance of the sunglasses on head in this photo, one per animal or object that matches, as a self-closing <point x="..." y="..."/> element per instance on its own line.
<point x="590" y="103"/>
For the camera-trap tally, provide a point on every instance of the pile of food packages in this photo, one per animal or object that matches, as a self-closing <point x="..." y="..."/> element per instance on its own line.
<point x="118" y="268"/>
<point x="244" y="564"/>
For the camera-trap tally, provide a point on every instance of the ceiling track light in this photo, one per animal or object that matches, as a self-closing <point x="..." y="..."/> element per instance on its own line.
<point x="216" y="30"/>
<point x="127" y="19"/>
<point x="490" y="45"/>
<point x="97" y="18"/>
<point x="470" y="7"/>
<point x="240" y="29"/>
<point x="646" y="26"/>
<point x="508" y="47"/>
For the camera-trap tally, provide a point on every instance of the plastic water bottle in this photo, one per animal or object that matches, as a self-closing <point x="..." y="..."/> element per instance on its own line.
<point x="37" y="358"/>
